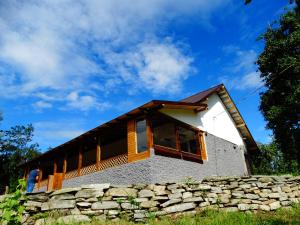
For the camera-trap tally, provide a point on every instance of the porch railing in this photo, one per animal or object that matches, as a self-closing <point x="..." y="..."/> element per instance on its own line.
<point x="104" y="164"/>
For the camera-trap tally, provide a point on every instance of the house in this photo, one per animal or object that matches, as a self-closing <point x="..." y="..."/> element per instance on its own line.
<point x="201" y="135"/>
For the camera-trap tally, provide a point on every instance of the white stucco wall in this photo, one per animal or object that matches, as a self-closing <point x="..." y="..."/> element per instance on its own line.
<point x="216" y="120"/>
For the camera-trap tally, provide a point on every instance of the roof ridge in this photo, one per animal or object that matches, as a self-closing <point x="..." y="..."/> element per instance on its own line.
<point x="200" y="92"/>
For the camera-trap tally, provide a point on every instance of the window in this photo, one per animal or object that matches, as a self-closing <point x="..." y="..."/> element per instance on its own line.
<point x="164" y="135"/>
<point x="188" y="142"/>
<point x="141" y="134"/>
<point x="176" y="139"/>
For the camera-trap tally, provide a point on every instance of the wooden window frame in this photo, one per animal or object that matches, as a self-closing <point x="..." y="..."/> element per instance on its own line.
<point x="133" y="154"/>
<point x="178" y="153"/>
<point x="136" y="135"/>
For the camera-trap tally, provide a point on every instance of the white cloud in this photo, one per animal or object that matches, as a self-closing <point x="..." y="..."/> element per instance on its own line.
<point x="156" y="67"/>
<point x="250" y="80"/>
<point x="53" y="133"/>
<point x="243" y="69"/>
<point x="40" y="105"/>
<point x="84" y="102"/>
<point x="58" y="47"/>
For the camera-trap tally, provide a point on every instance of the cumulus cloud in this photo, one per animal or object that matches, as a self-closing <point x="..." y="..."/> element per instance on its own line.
<point x="156" y="67"/>
<point x="58" y="47"/>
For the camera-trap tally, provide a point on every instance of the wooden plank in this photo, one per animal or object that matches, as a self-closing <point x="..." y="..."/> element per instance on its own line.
<point x="177" y="139"/>
<point x="79" y="160"/>
<point x="131" y="140"/>
<point x="50" y="182"/>
<point x="40" y="178"/>
<point x="54" y="166"/>
<point x="240" y="125"/>
<point x="200" y="108"/>
<point x="57" y="181"/>
<point x="149" y="135"/>
<point x="65" y="164"/>
<point x="98" y="153"/>
<point x="133" y="155"/>
<point x="202" y="145"/>
<point x="223" y="95"/>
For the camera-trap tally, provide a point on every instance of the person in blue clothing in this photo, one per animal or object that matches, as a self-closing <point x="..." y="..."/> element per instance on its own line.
<point x="32" y="179"/>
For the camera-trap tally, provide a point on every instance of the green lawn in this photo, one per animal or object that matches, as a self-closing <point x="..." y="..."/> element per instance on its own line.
<point x="281" y="216"/>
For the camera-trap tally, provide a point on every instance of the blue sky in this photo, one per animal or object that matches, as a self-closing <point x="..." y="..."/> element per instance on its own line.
<point x="68" y="66"/>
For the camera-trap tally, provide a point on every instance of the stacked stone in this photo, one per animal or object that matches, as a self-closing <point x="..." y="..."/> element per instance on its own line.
<point x="137" y="202"/>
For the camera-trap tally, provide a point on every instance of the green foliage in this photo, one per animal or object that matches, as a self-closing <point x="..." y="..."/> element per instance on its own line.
<point x="151" y="216"/>
<point x="290" y="1"/>
<point x="133" y="201"/>
<point x="279" y="64"/>
<point x="190" y="182"/>
<point x="269" y="160"/>
<point x="10" y="208"/>
<point x="41" y="215"/>
<point x="211" y="217"/>
<point x="15" y="147"/>
<point x="120" y="200"/>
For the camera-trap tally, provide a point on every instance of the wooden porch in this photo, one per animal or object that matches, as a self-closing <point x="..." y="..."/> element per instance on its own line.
<point x="126" y="139"/>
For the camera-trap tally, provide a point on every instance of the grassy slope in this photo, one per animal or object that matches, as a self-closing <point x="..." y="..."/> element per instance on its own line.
<point x="281" y="216"/>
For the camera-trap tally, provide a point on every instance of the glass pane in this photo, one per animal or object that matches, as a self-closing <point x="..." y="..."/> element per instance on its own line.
<point x="141" y="134"/>
<point x="164" y="135"/>
<point x="187" y="139"/>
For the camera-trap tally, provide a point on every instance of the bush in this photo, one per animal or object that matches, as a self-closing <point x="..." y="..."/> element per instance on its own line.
<point x="10" y="208"/>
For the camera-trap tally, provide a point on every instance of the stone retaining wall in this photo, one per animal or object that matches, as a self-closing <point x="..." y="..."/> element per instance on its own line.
<point x="137" y="202"/>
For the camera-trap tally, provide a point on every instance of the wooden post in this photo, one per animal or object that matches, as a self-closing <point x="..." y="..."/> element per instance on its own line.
<point x="40" y="178"/>
<point x="54" y="166"/>
<point x="131" y="140"/>
<point x="79" y="161"/>
<point x="149" y="135"/>
<point x="65" y="165"/>
<point x="98" y="154"/>
<point x="177" y="139"/>
<point x="202" y="145"/>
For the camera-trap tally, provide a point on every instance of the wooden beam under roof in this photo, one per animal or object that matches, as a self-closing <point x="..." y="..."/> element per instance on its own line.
<point x="240" y="125"/>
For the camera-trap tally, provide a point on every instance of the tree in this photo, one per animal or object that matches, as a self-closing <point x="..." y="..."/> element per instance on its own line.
<point x="15" y="147"/>
<point x="290" y="1"/>
<point x="279" y="65"/>
<point x="269" y="160"/>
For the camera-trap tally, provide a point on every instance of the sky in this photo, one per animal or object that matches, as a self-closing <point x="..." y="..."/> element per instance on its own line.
<point x="69" y="66"/>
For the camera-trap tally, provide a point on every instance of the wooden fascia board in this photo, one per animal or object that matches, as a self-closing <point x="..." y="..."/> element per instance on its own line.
<point x="237" y="117"/>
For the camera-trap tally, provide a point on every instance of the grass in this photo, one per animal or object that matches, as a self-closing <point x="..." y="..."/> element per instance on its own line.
<point x="282" y="216"/>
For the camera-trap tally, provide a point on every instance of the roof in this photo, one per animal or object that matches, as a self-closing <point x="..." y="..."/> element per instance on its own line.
<point x="240" y="124"/>
<point x="196" y="102"/>
<point x="200" y="96"/>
